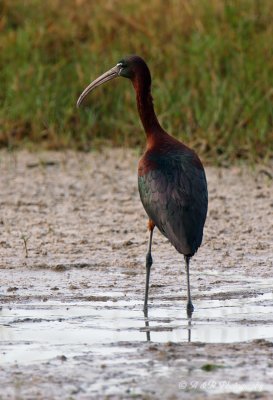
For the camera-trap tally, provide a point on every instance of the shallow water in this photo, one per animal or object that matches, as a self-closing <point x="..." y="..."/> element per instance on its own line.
<point x="71" y="323"/>
<point x="34" y="332"/>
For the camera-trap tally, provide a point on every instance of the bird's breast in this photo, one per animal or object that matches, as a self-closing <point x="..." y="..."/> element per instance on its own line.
<point x="146" y="164"/>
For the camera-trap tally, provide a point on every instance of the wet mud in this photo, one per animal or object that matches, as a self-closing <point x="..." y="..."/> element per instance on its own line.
<point x="73" y="240"/>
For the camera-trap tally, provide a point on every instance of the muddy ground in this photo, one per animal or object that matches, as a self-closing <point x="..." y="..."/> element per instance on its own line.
<point x="73" y="241"/>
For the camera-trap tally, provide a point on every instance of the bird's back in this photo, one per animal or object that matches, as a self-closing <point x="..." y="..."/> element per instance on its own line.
<point x="173" y="190"/>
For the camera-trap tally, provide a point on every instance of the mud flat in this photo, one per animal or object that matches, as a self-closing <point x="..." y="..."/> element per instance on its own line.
<point x="73" y="241"/>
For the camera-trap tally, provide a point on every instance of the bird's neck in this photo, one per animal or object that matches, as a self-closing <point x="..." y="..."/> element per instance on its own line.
<point x="146" y="112"/>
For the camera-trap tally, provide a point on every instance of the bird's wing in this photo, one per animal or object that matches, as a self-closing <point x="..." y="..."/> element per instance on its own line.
<point x="174" y="195"/>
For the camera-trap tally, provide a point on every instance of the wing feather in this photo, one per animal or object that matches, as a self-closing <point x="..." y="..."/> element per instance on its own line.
<point x="174" y="195"/>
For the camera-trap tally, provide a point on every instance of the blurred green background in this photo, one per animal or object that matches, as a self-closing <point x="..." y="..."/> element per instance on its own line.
<point x="211" y="63"/>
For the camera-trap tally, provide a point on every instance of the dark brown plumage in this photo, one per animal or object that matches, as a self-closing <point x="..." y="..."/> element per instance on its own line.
<point x="171" y="179"/>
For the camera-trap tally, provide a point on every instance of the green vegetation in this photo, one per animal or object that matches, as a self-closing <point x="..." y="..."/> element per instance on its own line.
<point x="211" y="62"/>
<point x="211" y="367"/>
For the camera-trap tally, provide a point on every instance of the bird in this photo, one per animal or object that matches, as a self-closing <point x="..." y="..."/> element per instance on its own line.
<point x="171" y="178"/>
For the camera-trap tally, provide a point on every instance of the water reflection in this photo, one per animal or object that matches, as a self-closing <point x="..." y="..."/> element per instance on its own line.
<point x="189" y="329"/>
<point x="148" y="329"/>
<point x="32" y="332"/>
<point x="5" y="333"/>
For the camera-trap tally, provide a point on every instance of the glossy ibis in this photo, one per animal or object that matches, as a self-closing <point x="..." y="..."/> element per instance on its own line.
<point x="171" y="179"/>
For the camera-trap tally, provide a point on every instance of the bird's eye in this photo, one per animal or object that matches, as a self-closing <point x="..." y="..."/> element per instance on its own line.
<point x="121" y="64"/>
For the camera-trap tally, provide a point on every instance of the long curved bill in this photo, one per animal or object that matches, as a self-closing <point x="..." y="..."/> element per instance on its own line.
<point x="107" y="76"/>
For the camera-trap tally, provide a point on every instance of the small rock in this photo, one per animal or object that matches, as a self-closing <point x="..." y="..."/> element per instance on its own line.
<point x="12" y="289"/>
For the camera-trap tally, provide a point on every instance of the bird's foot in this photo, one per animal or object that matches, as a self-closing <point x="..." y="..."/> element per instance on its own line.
<point x="190" y="309"/>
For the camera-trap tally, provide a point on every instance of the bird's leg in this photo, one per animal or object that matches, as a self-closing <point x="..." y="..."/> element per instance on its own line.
<point x="149" y="262"/>
<point x="190" y="307"/>
<point x="147" y="326"/>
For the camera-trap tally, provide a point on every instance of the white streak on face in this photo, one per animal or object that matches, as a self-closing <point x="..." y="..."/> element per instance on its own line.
<point x="119" y="65"/>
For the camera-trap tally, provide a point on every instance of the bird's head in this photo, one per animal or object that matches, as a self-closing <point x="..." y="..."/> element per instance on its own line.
<point x="131" y="67"/>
